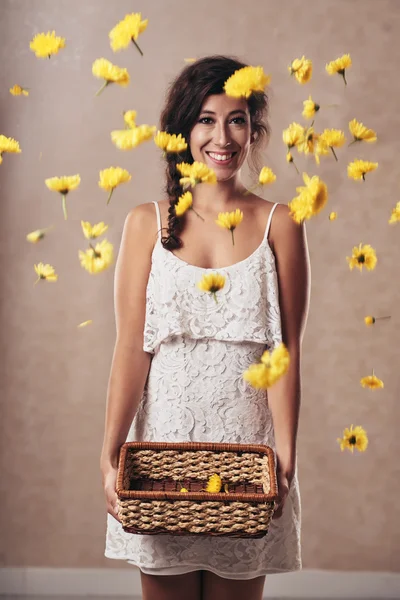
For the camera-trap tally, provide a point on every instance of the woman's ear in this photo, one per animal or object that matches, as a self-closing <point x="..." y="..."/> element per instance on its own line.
<point x="252" y="138"/>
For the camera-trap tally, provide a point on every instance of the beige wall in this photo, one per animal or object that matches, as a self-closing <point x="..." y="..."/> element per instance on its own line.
<point x="54" y="376"/>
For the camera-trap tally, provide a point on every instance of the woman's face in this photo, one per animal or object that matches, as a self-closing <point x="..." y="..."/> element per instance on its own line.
<point x="221" y="136"/>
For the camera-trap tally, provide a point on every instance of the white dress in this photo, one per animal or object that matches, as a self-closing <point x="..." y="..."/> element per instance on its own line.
<point x="195" y="392"/>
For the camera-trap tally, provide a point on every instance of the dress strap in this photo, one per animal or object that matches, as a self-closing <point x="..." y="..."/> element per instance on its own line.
<point x="269" y="220"/>
<point x="158" y="219"/>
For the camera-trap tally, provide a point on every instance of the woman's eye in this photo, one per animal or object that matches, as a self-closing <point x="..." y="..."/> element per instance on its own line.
<point x="236" y="120"/>
<point x="205" y="119"/>
<point x="239" y="120"/>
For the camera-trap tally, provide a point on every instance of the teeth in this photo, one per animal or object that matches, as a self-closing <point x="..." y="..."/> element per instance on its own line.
<point x="221" y="156"/>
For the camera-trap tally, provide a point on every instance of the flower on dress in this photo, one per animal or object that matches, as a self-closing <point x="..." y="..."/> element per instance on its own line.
<point x="271" y="368"/>
<point x="44" y="45"/>
<point x="185" y="203"/>
<point x="339" y="66"/>
<point x="311" y="199"/>
<point x="370" y="320"/>
<point x="17" y="90"/>
<point x="361" y="133"/>
<point x="92" y="232"/>
<point x="111" y="178"/>
<point x="130" y="118"/>
<point x="372" y="382"/>
<point x="97" y="259"/>
<point x="170" y="142"/>
<point x="354" y="438"/>
<point x="45" y="271"/>
<point x="35" y="236"/>
<point x="104" y="69"/>
<point x="8" y="144"/>
<point x="63" y="185"/>
<point x="194" y="173"/>
<point x="85" y="323"/>
<point x="245" y="81"/>
<point x="301" y="68"/>
<point x="127" y="139"/>
<point x="127" y="31"/>
<point x="395" y="215"/>
<point x="362" y="256"/>
<point x="358" y="168"/>
<point x="230" y="220"/>
<point x="212" y="283"/>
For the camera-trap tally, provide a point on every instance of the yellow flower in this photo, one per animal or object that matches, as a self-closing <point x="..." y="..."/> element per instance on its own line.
<point x="293" y="135"/>
<point x="332" y="138"/>
<point x="126" y="139"/>
<point x="310" y="108"/>
<point x="45" y="271"/>
<point x="272" y="366"/>
<point x="63" y="185"/>
<point x="307" y="141"/>
<point x="194" y="173"/>
<point x="301" y="68"/>
<point x="46" y="44"/>
<point x="97" y="259"/>
<point x="92" y="232"/>
<point x="339" y="66"/>
<point x="37" y="235"/>
<point x="127" y="31"/>
<point x="130" y="118"/>
<point x="395" y="216"/>
<point x="8" y="145"/>
<point x="211" y="282"/>
<point x="332" y="216"/>
<point x="183" y="490"/>
<point x="370" y="320"/>
<point x="17" y="90"/>
<point x="245" y="81"/>
<point x="104" y="69"/>
<point x="358" y="168"/>
<point x="170" y="143"/>
<point x="230" y="220"/>
<point x="372" y="382"/>
<point x="85" y="323"/>
<point x="266" y="176"/>
<point x="190" y="60"/>
<point x="185" y="203"/>
<point x="362" y="256"/>
<point x="361" y="133"/>
<point x="214" y="484"/>
<point x="112" y="177"/>
<point x="354" y="438"/>
<point x="289" y="159"/>
<point x="311" y="200"/>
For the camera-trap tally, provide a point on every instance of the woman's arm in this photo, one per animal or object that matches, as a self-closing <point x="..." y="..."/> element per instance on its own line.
<point x="293" y="268"/>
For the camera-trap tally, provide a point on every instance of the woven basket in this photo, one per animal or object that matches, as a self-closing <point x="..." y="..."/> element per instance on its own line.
<point x="151" y="475"/>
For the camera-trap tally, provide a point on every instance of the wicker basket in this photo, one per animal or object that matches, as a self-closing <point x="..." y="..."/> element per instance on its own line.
<point x="151" y="475"/>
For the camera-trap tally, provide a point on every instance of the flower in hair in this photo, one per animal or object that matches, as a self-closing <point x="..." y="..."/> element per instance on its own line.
<point x="354" y="438"/>
<point x="339" y="66"/>
<point x="230" y="220"/>
<point x="212" y="283"/>
<point x="194" y="173"/>
<point x="104" y="69"/>
<point x="127" y="31"/>
<point x="301" y="68"/>
<point x="170" y="142"/>
<point x="245" y="81"/>
<point x="185" y="203"/>
<point x="126" y="139"/>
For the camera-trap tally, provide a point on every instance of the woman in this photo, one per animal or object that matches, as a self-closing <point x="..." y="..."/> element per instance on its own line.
<point x="179" y="356"/>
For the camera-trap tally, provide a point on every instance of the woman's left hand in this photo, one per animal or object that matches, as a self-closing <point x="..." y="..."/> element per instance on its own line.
<point x="283" y="491"/>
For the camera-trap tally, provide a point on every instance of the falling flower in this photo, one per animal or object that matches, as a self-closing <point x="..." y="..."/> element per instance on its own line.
<point x="130" y="118"/>
<point x="112" y="177"/>
<point x="230" y="220"/>
<point x="311" y="200"/>
<point x="185" y="202"/>
<point x="361" y="133"/>
<point x="212" y="283"/>
<point x="190" y="60"/>
<point x="370" y="320"/>
<point x="372" y="382"/>
<point x="310" y="108"/>
<point x="127" y="31"/>
<point x="272" y="366"/>
<point x="289" y="159"/>
<point x="194" y="173"/>
<point x="363" y="256"/>
<point x="358" y="168"/>
<point x="97" y="259"/>
<point x="17" y="90"/>
<point x="395" y="216"/>
<point x="214" y="484"/>
<point x="63" y="185"/>
<point x="265" y="176"/>
<point x="127" y="139"/>
<point x="8" y="144"/>
<point x="104" y="69"/>
<point x="45" y="271"/>
<point x="92" y="232"/>
<point x="35" y="236"/>
<point x="339" y="66"/>
<point x="85" y="323"/>
<point x="245" y="81"/>
<point x="354" y="438"/>
<point x="332" y="138"/>
<point x="293" y="135"/>
<point x="308" y="140"/>
<point x="301" y="68"/>
<point x="332" y="216"/>
<point x="170" y="142"/>
<point x="44" y="45"/>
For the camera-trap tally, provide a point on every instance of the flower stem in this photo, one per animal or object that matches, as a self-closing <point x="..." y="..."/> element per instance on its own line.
<point x="331" y="147"/>
<point x="294" y="164"/>
<point x="247" y="192"/>
<point x="109" y="197"/>
<point x="388" y="317"/>
<point x="105" y="84"/>
<point x="137" y="47"/>
<point x="233" y="239"/>
<point x="196" y="213"/>
<point x="353" y="142"/>
<point x="215" y="297"/>
<point x="64" y="205"/>
<point x="343" y="74"/>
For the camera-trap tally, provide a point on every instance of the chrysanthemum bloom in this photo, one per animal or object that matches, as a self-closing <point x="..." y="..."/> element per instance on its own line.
<point x="339" y="66"/>
<point x="301" y="68"/>
<point x="85" y="323"/>
<point x="354" y="438"/>
<point x="370" y="320"/>
<point x="395" y="216"/>
<point x="130" y="118"/>
<point x="332" y="216"/>
<point x="320" y="147"/>
<point x="190" y="60"/>
<point x="185" y="202"/>
<point x="361" y="133"/>
<point x="332" y="138"/>
<point x="306" y="143"/>
<point x="311" y="200"/>
<point x="214" y="484"/>
<point x="310" y="108"/>
<point x="265" y="176"/>
<point x="170" y="142"/>
<point x="279" y="359"/>
<point x="97" y="259"/>
<point x="127" y="31"/>
<point x="272" y="366"/>
<point x="358" y="168"/>
<point x="35" y="236"/>
<point x="372" y="382"/>
<point x="289" y="159"/>
<point x="92" y="232"/>
<point x="17" y="90"/>
<point x="194" y="173"/>
<point x="245" y="81"/>
<point x="293" y="135"/>
<point x="127" y="139"/>
<point x="183" y="490"/>
<point x="362" y="256"/>
<point x="111" y="178"/>
<point x="104" y="69"/>
<point x="63" y="185"/>
<point x="8" y="145"/>
<point x="230" y="220"/>
<point x="44" y="45"/>
<point x="45" y="271"/>
<point x="212" y="283"/>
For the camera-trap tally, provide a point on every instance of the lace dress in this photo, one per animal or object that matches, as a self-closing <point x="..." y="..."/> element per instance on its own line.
<point x="195" y="392"/>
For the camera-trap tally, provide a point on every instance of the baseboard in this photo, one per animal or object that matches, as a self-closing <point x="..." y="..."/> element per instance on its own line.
<point x="113" y="583"/>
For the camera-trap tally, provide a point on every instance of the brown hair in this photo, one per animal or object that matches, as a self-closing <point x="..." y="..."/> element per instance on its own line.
<point x="184" y="100"/>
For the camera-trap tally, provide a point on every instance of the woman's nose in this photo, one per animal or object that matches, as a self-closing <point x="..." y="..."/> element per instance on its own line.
<point x="222" y="137"/>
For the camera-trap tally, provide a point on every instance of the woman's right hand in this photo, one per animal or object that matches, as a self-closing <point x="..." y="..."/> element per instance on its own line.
<point x="109" y="475"/>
